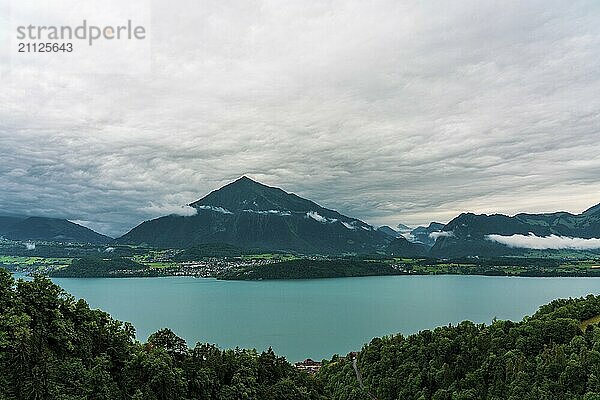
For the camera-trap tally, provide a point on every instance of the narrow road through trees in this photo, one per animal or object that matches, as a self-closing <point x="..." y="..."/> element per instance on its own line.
<point x="359" y="379"/>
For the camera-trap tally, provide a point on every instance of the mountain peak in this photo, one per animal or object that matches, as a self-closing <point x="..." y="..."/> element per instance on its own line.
<point x="253" y="215"/>
<point x="246" y="182"/>
<point x="245" y="179"/>
<point x="247" y="194"/>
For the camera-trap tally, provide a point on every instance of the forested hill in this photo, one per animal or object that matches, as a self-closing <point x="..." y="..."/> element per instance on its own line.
<point x="48" y="229"/>
<point x="549" y="356"/>
<point x="309" y="269"/>
<point x="54" y="347"/>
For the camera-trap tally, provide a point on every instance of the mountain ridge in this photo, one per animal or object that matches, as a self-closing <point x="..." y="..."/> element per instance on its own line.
<point x="468" y="233"/>
<point x="247" y="213"/>
<point x="48" y="229"/>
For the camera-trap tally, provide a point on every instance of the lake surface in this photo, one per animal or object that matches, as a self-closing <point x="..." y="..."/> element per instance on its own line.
<point x="316" y="318"/>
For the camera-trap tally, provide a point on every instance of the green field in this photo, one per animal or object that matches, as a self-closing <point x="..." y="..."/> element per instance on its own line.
<point x="33" y="263"/>
<point x="214" y="259"/>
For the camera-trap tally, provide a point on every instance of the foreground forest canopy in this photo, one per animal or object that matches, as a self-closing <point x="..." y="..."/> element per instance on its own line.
<point x="552" y="355"/>
<point x="53" y="346"/>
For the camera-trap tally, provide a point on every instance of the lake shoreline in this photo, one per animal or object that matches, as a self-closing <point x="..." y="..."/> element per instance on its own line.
<point x="316" y="318"/>
<point x="141" y="276"/>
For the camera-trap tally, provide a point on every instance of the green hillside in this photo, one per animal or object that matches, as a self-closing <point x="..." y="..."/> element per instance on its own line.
<point x="309" y="269"/>
<point x="545" y="357"/>
<point x="54" y="347"/>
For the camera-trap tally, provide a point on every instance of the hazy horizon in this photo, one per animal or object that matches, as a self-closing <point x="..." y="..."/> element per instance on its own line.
<point x="183" y="210"/>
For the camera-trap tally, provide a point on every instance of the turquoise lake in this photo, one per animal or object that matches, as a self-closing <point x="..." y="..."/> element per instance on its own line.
<point x="316" y="318"/>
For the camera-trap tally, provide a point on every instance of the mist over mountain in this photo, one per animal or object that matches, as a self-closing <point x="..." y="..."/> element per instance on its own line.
<point x="492" y="235"/>
<point x="251" y="215"/>
<point x="426" y="234"/>
<point x="247" y="213"/>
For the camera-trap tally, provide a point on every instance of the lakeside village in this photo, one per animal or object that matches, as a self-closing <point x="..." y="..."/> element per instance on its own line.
<point x="41" y="257"/>
<point x="206" y="268"/>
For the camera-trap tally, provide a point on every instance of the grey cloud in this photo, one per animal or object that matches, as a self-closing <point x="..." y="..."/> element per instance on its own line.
<point x="159" y="209"/>
<point x="386" y="111"/>
<point x="555" y="242"/>
<point x="436" y="235"/>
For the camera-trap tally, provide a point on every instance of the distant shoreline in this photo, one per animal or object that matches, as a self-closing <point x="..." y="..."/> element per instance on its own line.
<point x="20" y="275"/>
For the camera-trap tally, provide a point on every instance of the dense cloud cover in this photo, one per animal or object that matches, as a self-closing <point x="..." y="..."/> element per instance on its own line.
<point x="387" y="111"/>
<point x="554" y="242"/>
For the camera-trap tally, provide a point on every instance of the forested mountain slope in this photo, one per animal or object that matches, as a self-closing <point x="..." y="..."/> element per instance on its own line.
<point x="548" y="356"/>
<point x="53" y="347"/>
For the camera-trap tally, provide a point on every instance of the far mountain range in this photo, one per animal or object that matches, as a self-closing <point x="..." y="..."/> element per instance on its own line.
<point x="248" y="214"/>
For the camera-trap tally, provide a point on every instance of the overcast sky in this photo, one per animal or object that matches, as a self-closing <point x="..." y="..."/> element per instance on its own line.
<point x="388" y="111"/>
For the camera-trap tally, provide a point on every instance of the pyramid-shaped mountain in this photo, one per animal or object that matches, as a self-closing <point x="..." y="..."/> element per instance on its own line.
<point x="249" y="214"/>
